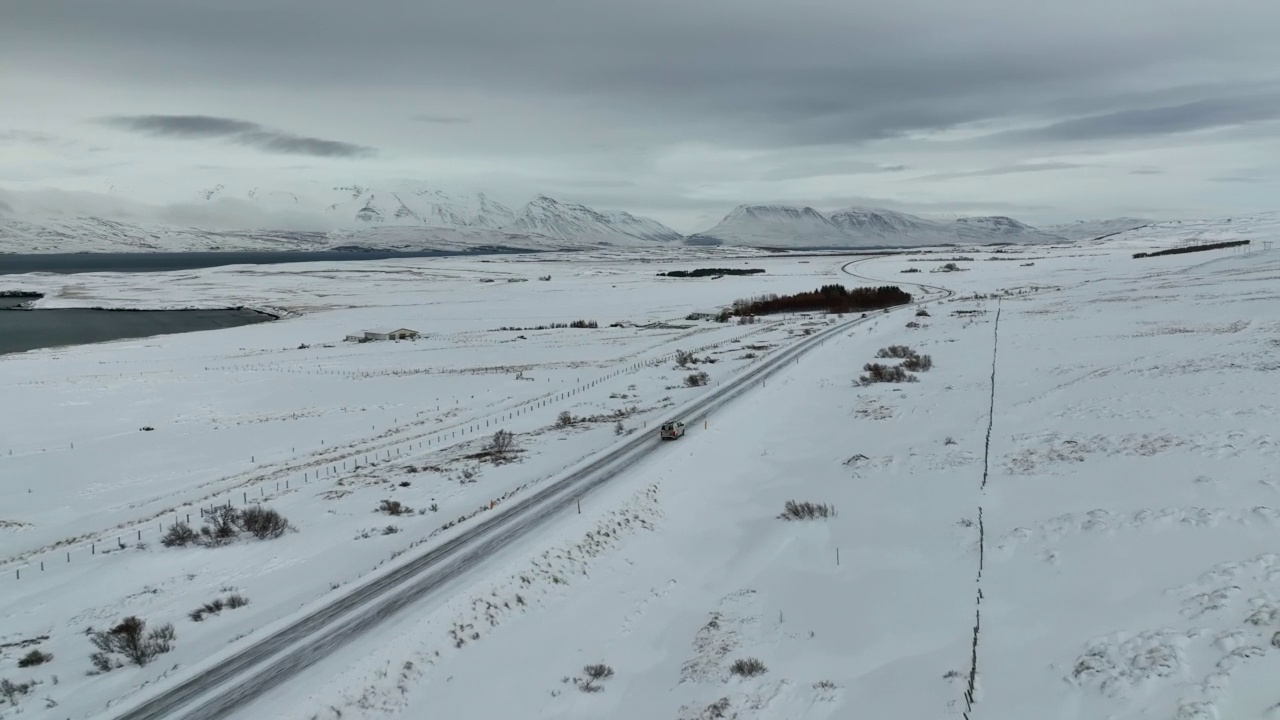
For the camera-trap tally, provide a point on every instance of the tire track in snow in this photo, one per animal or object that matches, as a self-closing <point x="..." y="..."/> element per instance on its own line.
<point x="971" y="691"/>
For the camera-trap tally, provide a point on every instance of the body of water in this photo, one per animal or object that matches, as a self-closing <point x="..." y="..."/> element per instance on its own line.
<point x="22" y="330"/>
<point x="11" y="264"/>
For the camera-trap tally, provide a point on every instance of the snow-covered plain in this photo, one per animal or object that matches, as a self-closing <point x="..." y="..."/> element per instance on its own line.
<point x="1129" y="517"/>
<point x="242" y="413"/>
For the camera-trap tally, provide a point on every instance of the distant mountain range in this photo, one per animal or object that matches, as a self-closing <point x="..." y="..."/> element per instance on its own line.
<point x="1094" y="229"/>
<point x="785" y="226"/>
<point x="407" y="216"/>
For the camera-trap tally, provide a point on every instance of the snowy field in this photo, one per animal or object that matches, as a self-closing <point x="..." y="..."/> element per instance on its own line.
<point x="1125" y="530"/>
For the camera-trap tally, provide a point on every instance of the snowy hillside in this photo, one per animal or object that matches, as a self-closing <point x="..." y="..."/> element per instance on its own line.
<point x="572" y="222"/>
<point x="641" y="227"/>
<point x="885" y="224"/>
<point x="774" y="226"/>
<point x="1087" y="469"/>
<point x="785" y="226"/>
<point x="1258" y="227"/>
<point x="431" y="208"/>
<point x="997" y="228"/>
<point x="1092" y="229"/>
<point x="95" y="234"/>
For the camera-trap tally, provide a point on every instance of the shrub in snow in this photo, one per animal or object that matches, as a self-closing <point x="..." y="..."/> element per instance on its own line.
<point x="619" y="428"/>
<point x="564" y="419"/>
<point x="896" y="351"/>
<point x="589" y="324"/>
<point x="684" y="358"/>
<point x="918" y="363"/>
<point x="501" y="445"/>
<point x="878" y="373"/>
<point x="595" y="674"/>
<point x="390" y="530"/>
<point x="224" y="524"/>
<point x="716" y="710"/>
<point x="33" y="658"/>
<point x="263" y="523"/>
<point x="213" y="607"/>
<point x="131" y="639"/>
<point x="220" y="526"/>
<point x="180" y="535"/>
<point x="217" y="605"/>
<point x="12" y="691"/>
<point x="748" y="667"/>
<point x="394" y="507"/>
<point x="697" y="379"/>
<point x="806" y="511"/>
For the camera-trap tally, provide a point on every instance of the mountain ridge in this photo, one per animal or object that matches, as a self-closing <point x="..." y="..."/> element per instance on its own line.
<point x="406" y="215"/>
<point x="794" y="227"/>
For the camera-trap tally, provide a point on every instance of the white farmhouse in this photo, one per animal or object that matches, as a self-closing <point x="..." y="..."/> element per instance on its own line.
<point x="385" y="334"/>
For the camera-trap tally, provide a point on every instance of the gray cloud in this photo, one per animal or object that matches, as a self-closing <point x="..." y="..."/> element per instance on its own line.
<point x="565" y="93"/>
<point x="831" y="167"/>
<point x="27" y="137"/>
<point x="1005" y="170"/>
<point x="183" y="126"/>
<point x="1237" y="179"/>
<point x="1144" y="122"/>
<point x="821" y="73"/>
<point x="442" y="119"/>
<point x="240" y="132"/>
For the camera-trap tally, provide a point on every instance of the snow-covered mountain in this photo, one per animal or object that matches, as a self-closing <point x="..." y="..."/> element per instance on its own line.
<point x="884" y="224"/>
<point x="96" y="234"/>
<point x="791" y="227"/>
<point x="998" y="229"/>
<point x="642" y="227"/>
<point x="572" y="222"/>
<point x="357" y="205"/>
<point x="401" y="216"/>
<point x="408" y="215"/>
<point x="773" y="226"/>
<point x="1093" y="229"/>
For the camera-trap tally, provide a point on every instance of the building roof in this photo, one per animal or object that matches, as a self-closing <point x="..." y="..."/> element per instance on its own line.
<point x="389" y="330"/>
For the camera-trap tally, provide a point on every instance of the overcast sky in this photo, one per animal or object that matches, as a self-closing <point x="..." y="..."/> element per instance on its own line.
<point x="1047" y="111"/>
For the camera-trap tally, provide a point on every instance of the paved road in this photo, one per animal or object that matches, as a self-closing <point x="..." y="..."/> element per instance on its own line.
<point x="217" y="691"/>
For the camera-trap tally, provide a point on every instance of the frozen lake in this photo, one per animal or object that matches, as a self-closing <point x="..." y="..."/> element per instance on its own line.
<point x="22" y="330"/>
<point x="165" y="261"/>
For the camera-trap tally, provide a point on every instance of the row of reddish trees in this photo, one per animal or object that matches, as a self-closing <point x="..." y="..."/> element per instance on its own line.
<point x="829" y="298"/>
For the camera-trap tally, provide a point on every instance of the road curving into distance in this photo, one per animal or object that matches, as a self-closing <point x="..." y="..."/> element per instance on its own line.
<point x="224" y="684"/>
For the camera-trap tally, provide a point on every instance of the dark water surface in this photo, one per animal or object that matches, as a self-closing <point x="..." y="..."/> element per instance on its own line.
<point x="22" y="330"/>
<point x="160" y="262"/>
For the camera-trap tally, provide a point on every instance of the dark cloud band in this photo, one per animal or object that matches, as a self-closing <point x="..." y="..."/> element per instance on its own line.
<point x="241" y="132"/>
